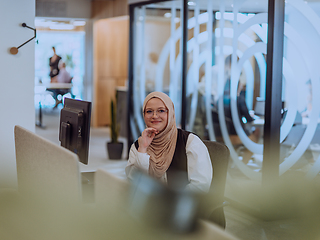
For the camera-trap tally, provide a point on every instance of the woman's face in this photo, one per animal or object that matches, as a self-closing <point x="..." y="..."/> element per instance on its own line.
<point x="156" y="114"/>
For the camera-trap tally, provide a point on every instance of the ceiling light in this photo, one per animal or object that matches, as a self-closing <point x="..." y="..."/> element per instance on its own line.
<point x="79" y="23"/>
<point x="42" y="23"/>
<point x="59" y="26"/>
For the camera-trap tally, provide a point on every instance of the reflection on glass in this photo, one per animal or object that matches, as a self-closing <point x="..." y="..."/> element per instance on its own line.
<point x="300" y="129"/>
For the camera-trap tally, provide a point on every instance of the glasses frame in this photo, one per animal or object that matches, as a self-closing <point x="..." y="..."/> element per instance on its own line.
<point x="155" y="111"/>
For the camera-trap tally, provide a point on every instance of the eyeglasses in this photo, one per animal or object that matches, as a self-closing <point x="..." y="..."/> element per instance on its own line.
<point x="160" y="113"/>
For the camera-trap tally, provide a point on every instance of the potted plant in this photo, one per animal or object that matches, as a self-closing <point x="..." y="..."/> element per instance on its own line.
<point x="114" y="147"/>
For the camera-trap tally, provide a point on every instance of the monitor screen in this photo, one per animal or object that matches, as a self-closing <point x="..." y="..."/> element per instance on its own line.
<point x="259" y="107"/>
<point x="74" y="130"/>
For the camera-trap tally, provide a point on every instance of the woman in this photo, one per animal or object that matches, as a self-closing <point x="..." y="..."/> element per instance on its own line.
<point x="54" y="65"/>
<point x="163" y="150"/>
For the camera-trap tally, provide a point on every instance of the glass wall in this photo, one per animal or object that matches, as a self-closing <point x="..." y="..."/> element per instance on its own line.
<point x="157" y="56"/>
<point x="300" y="131"/>
<point x="226" y="81"/>
<point x="226" y="84"/>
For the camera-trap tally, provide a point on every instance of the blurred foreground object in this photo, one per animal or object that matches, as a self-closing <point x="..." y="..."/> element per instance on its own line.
<point x="213" y="206"/>
<point x="157" y="205"/>
<point x="48" y="204"/>
<point x="45" y="168"/>
<point x="31" y="217"/>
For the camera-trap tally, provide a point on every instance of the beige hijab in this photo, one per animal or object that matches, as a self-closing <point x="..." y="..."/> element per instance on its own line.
<point x="163" y="145"/>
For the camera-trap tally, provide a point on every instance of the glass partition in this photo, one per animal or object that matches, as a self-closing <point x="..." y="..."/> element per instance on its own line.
<point x="226" y="84"/>
<point x="300" y="132"/>
<point x="226" y="81"/>
<point x="157" y="56"/>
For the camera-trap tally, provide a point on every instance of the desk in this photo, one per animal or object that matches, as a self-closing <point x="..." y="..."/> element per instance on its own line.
<point x="296" y="134"/>
<point x="57" y="85"/>
<point x="98" y="157"/>
<point x="59" y="89"/>
<point x="53" y="89"/>
<point x="115" y="167"/>
<point x="293" y="139"/>
<point x="42" y="88"/>
<point x="45" y="86"/>
<point x="258" y="121"/>
<point x="306" y="120"/>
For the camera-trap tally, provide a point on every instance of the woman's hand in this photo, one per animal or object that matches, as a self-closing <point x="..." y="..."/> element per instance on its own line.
<point x="146" y="138"/>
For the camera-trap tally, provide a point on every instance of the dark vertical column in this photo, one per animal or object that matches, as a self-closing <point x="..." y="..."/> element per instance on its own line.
<point x="271" y="151"/>
<point x="184" y="64"/>
<point x="130" y="77"/>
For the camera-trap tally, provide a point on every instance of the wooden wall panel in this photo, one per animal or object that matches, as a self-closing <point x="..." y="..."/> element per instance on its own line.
<point x="121" y="8"/>
<point x="105" y="92"/>
<point x="109" y="9"/>
<point x="111" y="39"/>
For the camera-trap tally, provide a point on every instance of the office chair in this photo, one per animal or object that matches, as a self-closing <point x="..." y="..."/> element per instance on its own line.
<point x="219" y="154"/>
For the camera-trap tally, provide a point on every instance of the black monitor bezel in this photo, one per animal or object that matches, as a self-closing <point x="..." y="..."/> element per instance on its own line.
<point x="71" y="107"/>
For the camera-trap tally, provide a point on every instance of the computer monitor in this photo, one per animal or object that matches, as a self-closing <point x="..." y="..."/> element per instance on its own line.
<point x="259" y="107"/>
<point x="74" y="130"/>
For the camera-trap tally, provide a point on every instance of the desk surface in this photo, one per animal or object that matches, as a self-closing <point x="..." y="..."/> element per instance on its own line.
<point x="116" y="167"/>
<point x="296" y="134"/>
<point x="41" y="88"/>
<point x="258" y="121"/>
<point x="98" y="157"/>
<point x="58" y="85"/>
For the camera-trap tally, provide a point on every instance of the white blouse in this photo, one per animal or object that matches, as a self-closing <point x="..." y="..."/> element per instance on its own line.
<point x="198" y="162"/>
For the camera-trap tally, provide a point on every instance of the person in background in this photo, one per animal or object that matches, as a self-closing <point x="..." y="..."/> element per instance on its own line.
<point x="163" y="150"/>
<point x="63" y="76"/>
<point x="54" y="65"/>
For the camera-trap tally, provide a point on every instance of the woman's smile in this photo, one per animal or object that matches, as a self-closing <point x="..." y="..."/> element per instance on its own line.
<point x="156" y="121"/>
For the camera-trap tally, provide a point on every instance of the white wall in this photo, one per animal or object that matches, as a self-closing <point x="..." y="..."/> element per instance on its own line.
<point x="16" y="81"/>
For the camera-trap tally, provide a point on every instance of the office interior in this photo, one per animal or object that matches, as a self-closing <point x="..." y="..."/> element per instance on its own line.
<point x="165" y="46"/>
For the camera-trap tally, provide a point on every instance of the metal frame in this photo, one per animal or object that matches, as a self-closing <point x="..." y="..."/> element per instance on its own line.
<point x="184" y="64"/>
<point x="273" y="104"/>
<point x="130" y="77"/>
<point x="271" y="151"/>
